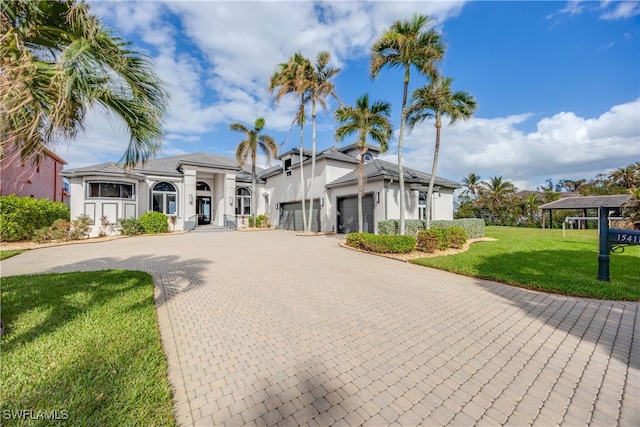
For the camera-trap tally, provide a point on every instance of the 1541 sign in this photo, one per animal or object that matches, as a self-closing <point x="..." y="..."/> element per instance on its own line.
<point x="624" y="237"/>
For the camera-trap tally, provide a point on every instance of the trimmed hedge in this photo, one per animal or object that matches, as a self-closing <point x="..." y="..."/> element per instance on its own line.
<point x="392" y="227"/>
<point x="474" y="227"/>
<point x="20" y="217"/>
<point x="381" y="244"/>
<point x="154" y="222"/>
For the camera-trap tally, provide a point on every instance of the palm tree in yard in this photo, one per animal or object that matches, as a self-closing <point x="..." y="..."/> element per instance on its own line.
<point x="57" y="61"/>
<point x="319" y="87"/>
<point x="435" y="101"/>
<point x="292" y="78"/>
<point x="404" y="45"/>
<point x="471" y="184"/>
<point x="496" y="193"/>
<point x="365" y="120"/>
<point x="249" y="147"/>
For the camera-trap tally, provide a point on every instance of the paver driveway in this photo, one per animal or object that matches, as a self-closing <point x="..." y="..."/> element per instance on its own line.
<point x="270" y="328"/>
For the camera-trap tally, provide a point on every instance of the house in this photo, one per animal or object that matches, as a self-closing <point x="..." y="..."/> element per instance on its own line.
<point x="33" y="179"/>
<point x="210" y="189"/>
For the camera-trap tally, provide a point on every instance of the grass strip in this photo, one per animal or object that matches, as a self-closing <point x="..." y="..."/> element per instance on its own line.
<point x="9" y="254"/>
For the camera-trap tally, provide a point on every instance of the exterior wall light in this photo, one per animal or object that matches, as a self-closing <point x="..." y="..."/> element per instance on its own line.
<point x="191" y="198"/>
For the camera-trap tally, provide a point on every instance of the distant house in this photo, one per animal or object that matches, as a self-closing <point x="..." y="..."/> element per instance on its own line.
<point x="211" y="189"/>
<point x="28" y="179"/>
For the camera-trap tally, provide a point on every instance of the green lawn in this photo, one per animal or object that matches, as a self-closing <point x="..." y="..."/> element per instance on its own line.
<point x="544" y="260"/>
<point x="9" y="254"/>
<point x="86" y="344"/>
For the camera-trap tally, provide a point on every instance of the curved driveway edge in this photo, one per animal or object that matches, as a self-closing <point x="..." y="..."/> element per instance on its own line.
<point x="270" y="328"/>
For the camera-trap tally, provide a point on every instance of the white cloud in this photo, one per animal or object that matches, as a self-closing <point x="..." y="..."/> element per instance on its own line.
<point x="621" y="10"/>
<point x="563" y="146"/>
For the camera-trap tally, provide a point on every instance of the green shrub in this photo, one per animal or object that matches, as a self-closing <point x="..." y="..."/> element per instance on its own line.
<point x="388" y="226"/>
<point x="130" y="226"/>
<point x="474" y="227"/>
<point x="382" y="244"/>
<point x="20" y="217"/>
<point x="457" y="237"/>
<point x="80" y="227"/>
<point x="154" y="222"/>
<point x="63" y="230"/>
<point x="250" y="221"/>
<point x="262" y="221"/>
<point x="428" y="241"/>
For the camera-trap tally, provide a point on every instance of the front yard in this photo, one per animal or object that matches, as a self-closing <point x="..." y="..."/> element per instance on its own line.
<point x="83" y="348"/>
<point x="544" y="260"/>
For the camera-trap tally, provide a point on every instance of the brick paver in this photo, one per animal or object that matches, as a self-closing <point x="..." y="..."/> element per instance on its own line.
<point x="270" y="328"/>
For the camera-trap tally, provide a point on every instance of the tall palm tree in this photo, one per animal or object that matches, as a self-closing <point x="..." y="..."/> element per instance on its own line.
<point x="626" y="177"/>
<point x="319" y="87"/>
<point x="249" y="147"/>
<point x="471" y="184"/>
<point x="57" y="61"/>
<point x="365" y="120"/>
<point x="292" y="78"/>
<point x="403" y="45"/>
<point x="435" y="101"/>
<point x="531" y="202"/>
<point x="496" y="193"/>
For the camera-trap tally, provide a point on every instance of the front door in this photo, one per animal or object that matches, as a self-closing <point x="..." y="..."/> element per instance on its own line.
<point x="203" y="209"/>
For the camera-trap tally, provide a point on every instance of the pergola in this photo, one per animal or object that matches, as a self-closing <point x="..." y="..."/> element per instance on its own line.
<point x="583" y="203"/>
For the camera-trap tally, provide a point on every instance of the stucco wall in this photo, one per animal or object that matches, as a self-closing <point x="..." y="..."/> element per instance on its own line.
<point x="40" y="181"/>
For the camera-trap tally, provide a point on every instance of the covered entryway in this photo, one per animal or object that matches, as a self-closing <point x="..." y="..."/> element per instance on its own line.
<point x="291" y="216"/>
<point x="348" y="214"/>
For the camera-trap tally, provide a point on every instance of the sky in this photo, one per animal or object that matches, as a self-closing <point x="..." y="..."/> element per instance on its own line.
<point x="557" y="83"/>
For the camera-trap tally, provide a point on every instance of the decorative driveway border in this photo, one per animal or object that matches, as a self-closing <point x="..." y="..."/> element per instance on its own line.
<point x="270" y="328"/>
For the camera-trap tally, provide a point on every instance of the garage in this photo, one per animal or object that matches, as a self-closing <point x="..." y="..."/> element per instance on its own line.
<point x="291" y="216"/>
<point x="348" y="214"/>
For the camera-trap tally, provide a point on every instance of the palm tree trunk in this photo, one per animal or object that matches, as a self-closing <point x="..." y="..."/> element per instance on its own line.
<point x="403" y="115"/>
<point x="253" y="187"/>
<point x="432" y="180"/>
<point x="361" y="186"/>
<point x="304" y="217"/>
<point x="313" y="163"/>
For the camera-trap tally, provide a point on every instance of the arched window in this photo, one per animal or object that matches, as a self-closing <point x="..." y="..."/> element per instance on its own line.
<point x="368" y="157"/>
<point x="202" y="186"/>
<point x="243" y="201"/>
<point x="164" y="197"/>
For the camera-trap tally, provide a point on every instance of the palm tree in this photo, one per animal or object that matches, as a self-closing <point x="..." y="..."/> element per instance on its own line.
<point x="403" y="45"/>
<point x="365" y="120"/>
<point x="435" y="101"/>
<point x="627" y="177"/>
<point x="57" y="61"/>
<point x="319" y="87"/>
<point x="495" y="193"/>
<point x="471" y="183"/>
<point x="249" y="147"/>
<point x="292" y="78"/>
<point x="532" y="201"/>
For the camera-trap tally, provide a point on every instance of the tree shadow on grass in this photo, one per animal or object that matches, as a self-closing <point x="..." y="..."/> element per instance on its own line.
<point x="600" y="320"/>
<point x="91" y="351"/>
<point x="172" y="276"/>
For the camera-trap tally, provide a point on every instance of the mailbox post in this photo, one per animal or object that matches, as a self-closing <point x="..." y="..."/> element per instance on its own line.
<point x="611" y="237"/>
<point x="604" y="258"/>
